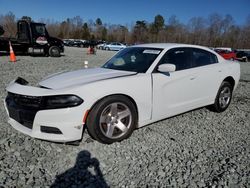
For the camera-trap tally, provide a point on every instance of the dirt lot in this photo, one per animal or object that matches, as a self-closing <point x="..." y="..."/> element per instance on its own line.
<point x="196" y="149"/>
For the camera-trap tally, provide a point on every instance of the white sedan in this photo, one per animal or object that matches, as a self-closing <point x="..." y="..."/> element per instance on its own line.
<point x="139" y="85"/>
<point x="114" y="46"/>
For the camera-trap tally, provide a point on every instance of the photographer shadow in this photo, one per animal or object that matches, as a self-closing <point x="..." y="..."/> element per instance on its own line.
<point x="85" y="173"/>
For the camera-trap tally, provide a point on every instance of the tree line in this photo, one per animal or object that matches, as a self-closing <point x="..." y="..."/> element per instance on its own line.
<point x="214" y="31"/>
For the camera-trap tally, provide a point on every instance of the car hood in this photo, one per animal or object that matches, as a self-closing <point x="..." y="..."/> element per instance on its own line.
<point x="80" y="77"/>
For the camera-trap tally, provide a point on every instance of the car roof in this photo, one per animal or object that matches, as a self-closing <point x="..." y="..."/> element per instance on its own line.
<point x="169" y="45"/>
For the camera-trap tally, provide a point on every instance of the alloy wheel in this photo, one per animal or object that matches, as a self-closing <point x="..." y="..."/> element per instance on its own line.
<point x="115" y="120"/>
<point x="225" y="96"/>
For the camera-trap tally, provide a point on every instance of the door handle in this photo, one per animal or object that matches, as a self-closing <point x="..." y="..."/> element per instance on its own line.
<point x="192" y="78"/>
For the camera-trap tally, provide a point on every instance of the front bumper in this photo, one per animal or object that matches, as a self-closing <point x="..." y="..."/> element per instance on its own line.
<point x="59" y="125"/>
<point x="53" y="125"/>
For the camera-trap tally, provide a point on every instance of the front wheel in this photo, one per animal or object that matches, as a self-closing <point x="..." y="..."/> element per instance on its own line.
<point x="223" y="97"/>
<point x="54" y="51"/>
<point x="112" y="119"/>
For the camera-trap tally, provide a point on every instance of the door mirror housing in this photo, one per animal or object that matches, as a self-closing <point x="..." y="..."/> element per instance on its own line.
<point x="165" y="68"/>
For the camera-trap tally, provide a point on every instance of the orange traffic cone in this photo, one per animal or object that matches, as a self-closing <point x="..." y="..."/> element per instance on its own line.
<point x="12" y="54"/>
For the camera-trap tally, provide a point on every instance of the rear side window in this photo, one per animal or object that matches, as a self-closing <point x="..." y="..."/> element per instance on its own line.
<point x="203" y="57"/>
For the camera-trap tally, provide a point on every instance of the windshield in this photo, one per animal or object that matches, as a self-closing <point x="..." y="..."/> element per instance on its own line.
<point x="135" y="59"/>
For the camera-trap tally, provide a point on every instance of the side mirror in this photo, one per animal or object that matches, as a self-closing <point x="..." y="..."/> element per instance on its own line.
<point x="165" y="68"/>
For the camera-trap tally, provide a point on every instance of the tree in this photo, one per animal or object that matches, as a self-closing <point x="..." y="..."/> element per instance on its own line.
<point x="213" y="31"/>
<point x="98" y="22"/>
<point x="9" y="24"/>
<point x="104" y="34"/>
<point x="174" y="30"/>
<point x="196" y="28"/>
<point x="140" y="32"/>
<point x="159" y="22"/>
<point x="85" y="32"/>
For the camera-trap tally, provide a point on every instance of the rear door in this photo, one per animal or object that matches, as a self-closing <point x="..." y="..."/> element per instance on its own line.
<point x="209" y="74"/>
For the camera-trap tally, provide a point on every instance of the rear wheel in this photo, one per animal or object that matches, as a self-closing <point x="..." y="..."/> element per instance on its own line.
<point x="54" y="51"/>
<point x="223" y="97"/>
<point x="112" y="119"/>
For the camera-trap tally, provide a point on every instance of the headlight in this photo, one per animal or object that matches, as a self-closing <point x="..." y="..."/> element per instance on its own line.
<point x="61" y="101"/>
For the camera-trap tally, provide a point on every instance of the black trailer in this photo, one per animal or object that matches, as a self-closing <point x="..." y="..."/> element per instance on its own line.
<point x="32" y="38"/>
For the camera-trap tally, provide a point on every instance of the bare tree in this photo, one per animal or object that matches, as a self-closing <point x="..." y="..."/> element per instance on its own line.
<point x="9" y="24"/>
<point x="215" y="30"/>
<point x="197" y="28"/>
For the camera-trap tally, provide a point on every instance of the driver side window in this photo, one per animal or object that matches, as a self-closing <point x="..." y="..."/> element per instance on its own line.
<point x="180" y="57"/>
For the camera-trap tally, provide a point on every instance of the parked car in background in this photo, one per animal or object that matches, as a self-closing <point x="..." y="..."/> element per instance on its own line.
<point x="78" y="43"/>
<point x="243" y="56"/>
<point x="139" y="85"/>
<point x="114" y="46"/>
<point x="101" y="46"/>
<point x="67" y="42"/>
<point x="226" y="54"/>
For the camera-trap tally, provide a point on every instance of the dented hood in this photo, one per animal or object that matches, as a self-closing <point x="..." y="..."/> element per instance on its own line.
<point x="80" y="77"/>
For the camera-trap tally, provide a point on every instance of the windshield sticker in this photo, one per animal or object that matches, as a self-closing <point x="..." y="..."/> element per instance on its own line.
<point x="133" y="58"/>
<point x="179" y="52"/>
<point x="151" y="51"/>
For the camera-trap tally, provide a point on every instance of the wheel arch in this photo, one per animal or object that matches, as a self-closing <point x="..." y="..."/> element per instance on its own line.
<point x="231" y="80"/>
<point x="117" y="94"/>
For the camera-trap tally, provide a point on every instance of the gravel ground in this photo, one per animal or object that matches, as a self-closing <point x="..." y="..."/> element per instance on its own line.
<point x="196" y="149"/>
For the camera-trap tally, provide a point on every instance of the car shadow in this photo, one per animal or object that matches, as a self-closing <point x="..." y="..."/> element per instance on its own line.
<point x="85" y="173"/>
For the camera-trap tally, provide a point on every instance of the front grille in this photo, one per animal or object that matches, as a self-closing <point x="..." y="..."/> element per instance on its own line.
<point x="23" y="108"/>
<point x="26" y="101"/>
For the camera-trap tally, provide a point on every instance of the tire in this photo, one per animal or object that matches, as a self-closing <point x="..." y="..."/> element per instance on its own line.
<point x="223" y="97"/>
<point x="54" y="51"/>
<point x="112" y="119"/>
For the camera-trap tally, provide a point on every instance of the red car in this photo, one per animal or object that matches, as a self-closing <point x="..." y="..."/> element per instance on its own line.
<point x="226" y="54"/>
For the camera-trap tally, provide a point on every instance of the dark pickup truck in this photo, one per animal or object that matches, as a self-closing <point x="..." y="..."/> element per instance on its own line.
<point x="32" y="38"/>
